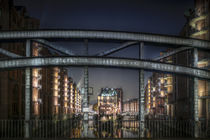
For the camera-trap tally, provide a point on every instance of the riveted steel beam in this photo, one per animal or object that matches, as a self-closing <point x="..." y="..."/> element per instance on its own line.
<point x="195" y="96"/>
<point x="104" y="62"/>
<point x="8" y="53"/>
<point x="110" y="51"/>
<point x="141" y="95"/>
<point x="170" y="53"/>
<point x="90" y="34"/>
<point x="27" y="91"/>
<point x="86" y="85"/>
<point x="86" y="94"/>
<point x="54" y="47"/>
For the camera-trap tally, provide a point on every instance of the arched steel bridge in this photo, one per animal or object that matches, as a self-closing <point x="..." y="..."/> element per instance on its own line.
<point x="91" y="34"/>
<point x="71" y="59"/>
<point x="103" y="62"/>
<point x="188" y="43"/>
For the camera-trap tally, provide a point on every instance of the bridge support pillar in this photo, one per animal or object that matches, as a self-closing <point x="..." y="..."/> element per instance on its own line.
<point x="195" y="96"/>
<point x="141" y="96"/>
<point x="85" y="99"/>
<point x="27" y="91"/>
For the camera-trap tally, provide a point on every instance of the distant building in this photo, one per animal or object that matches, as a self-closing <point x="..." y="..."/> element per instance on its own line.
<point x="110" y="101"/>
<point x="131" y="106"/>
<point x="158" y="93"/>
<point x="131" y="109"/>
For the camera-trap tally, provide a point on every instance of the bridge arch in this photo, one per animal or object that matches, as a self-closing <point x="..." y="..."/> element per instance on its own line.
<point x="103" y="62"/>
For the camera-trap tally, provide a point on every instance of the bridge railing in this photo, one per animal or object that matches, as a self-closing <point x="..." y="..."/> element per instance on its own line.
<point x="103" y="129"/>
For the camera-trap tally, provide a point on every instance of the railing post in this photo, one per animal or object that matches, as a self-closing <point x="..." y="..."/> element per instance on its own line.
<point x="141" y="95"/>
<point x="195" y="96"/>
<point x="27" y="91"/>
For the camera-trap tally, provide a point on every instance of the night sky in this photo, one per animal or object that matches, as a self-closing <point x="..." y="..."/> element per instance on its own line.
<point x="153" y="16"/>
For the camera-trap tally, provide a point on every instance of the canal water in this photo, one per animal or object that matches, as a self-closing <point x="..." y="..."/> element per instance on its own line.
<point x="108" y="129"/>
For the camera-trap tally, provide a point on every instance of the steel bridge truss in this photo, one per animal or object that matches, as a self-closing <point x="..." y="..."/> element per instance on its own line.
<point x="103" y="62"/>
<point x="69" y="58"/>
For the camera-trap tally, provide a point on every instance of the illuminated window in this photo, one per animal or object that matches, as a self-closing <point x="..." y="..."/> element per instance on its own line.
<point x="56" y="87"/>
<point x="169" y="81"/>
<point x="56" y="93"/>
<point x="161" y="80"/>
<point x="169" y="89"/>
<point x="153" y="89"/>
<point x="162" y="93"/>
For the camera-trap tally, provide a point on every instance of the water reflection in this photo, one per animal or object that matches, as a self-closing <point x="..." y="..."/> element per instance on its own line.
<point x="106" y="129"/>
<point x="130" y="129"/>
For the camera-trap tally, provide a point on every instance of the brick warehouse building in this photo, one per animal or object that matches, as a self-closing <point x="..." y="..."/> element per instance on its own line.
<point x="12" y="82"/>
<point x="178" y="104"/>
<point x="51" y="87"/>
<point x="198" y="26"/>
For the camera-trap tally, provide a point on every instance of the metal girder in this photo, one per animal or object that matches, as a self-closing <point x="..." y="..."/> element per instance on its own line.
<point x="104" y="62"/>
<point x="10" y="54"/>
<point x="195" y="96"/>
<point x="167" y="54"/>
<point x="44" y="42"/>
<point x="85" y="101"/>
<point x="124" y="45"/>
<point x="141" y="96"/>
<point x="144" y="37"/>
<point x="27" y="91"/>
<point x="54" y="47"/>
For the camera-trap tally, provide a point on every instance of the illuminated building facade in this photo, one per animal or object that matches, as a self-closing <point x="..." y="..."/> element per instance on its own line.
<point x="36" y="80"/>
<point x="55" y="91"/>
<point x="131" y="106"/>
<point x="178" y="89"/>
<point x="50" y="90"/>
<point x="64" y="94"/>
<point x="159" y="93"/>
<point x="131" y="109"/>
<point x="62" y="97"/>
<point x="199" y="20"/>
<point x="47" y="96"/>
<point x="71" y="97"/>
<point x="77" y="100"/>
<point x="110" y="101"/>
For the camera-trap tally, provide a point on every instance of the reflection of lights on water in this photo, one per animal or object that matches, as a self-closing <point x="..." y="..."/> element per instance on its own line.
<point x="103" y="119"/>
